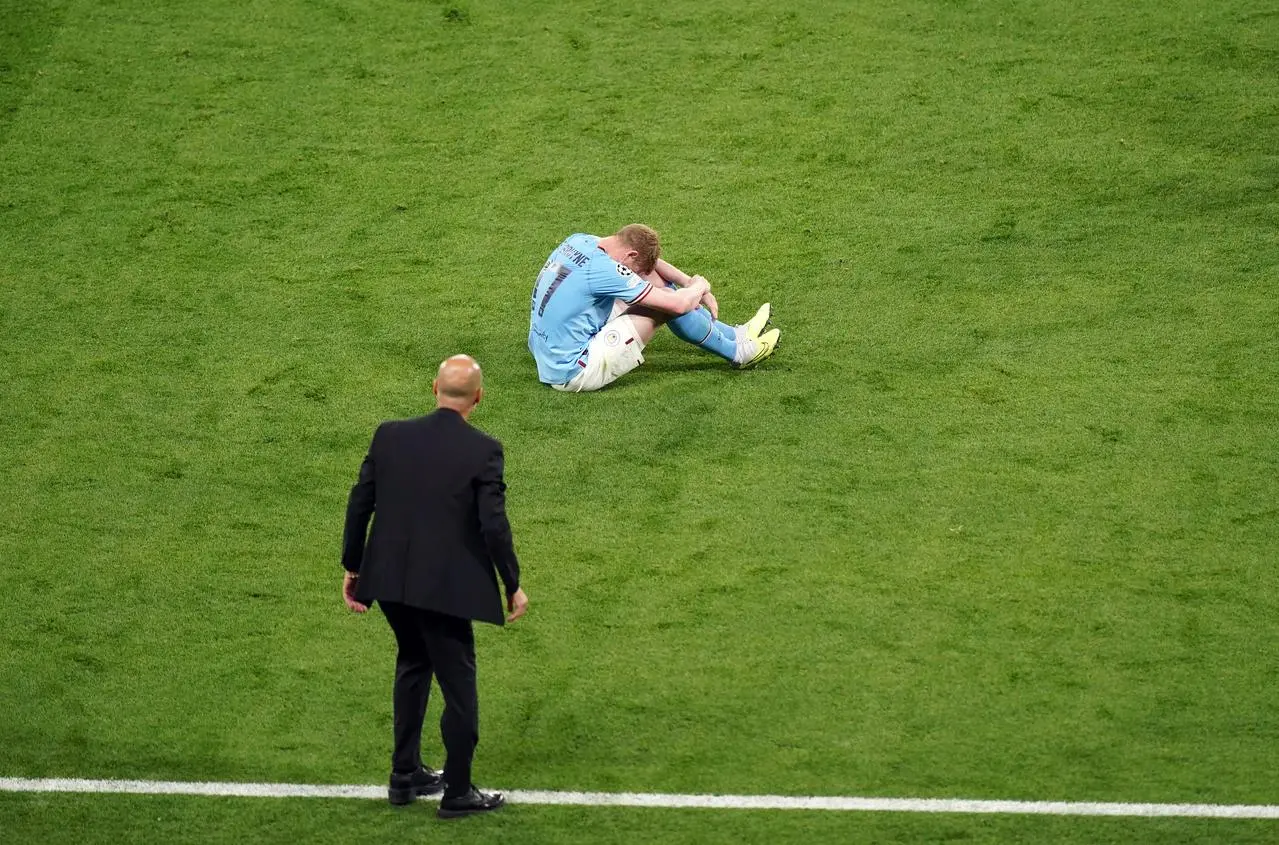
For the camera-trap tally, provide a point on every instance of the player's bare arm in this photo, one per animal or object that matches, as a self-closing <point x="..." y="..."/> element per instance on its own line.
<point x="677" y="300"/>
<point x="675" y="276"/>
<point x="670" y="273"/>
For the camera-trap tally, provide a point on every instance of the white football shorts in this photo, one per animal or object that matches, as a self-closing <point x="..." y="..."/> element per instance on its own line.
<point x="612" y="353"/>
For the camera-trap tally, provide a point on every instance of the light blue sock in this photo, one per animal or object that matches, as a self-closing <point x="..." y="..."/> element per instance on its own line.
<point x="700" y="329"/>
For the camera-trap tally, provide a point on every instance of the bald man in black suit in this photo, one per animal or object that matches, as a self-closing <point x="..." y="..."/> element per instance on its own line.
<point x="439" y="544"/>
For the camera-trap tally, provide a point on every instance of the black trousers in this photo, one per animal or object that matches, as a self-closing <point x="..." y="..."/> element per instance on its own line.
<point x="436" y="644"/>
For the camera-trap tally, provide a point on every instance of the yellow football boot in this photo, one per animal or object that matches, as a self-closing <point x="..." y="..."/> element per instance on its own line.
<point x="765" y="345"/>
<point x="752" y="327"/>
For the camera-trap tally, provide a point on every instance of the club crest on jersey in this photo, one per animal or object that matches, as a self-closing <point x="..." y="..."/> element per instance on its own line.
<point x="612" y="338"/>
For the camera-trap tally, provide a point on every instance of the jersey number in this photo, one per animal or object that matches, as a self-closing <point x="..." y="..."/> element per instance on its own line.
<point x="561" y="273"/>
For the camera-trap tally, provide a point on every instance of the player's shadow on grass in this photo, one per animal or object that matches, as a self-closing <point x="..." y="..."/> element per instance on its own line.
<point x="691" y="365"/>
<point x="652" y="372"/>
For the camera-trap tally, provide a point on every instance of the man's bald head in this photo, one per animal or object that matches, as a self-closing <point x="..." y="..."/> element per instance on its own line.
<point x="459" y="383"/>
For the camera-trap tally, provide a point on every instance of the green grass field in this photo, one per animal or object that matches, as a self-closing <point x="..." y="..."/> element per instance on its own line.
<point x="999" y="520"/>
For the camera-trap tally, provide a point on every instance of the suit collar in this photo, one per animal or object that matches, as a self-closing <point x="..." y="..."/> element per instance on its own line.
<point x="448" y="414"/>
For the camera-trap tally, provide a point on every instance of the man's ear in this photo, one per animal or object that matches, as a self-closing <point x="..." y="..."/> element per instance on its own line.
<point x="479" y="394"/>
<point x="435" y="387"/>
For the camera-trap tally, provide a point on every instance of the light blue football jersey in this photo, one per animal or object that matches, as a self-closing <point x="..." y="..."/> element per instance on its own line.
<point x="572" y="301"/>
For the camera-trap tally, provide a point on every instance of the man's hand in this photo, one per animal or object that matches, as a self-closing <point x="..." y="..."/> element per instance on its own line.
<point x="517" y="604"/>
<point x="348" y="593"/>
<point x="708" y="299"/>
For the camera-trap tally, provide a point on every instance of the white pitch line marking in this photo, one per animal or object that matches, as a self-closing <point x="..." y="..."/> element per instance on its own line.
<point x="644" y="799"/>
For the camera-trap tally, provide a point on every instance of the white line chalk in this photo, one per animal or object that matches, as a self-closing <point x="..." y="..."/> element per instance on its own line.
<point x="661" y="800"/>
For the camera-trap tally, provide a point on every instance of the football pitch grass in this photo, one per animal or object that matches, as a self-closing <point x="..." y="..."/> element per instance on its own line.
<point x="998" y="521"/>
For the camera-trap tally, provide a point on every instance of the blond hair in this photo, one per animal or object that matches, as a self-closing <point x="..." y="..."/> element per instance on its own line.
<point x="643" y="240"/>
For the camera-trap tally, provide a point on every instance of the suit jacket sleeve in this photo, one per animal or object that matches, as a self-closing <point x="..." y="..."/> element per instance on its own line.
<point x="359" y="510"/>
<point x="496" y="528"/>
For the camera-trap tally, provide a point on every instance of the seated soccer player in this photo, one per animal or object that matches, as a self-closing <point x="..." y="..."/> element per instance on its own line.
<point x="599" y="301"/>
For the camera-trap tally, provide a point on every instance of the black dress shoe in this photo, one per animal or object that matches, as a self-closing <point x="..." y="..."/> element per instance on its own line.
<point x="405" y="788"/>
<point x="469" y="803"/>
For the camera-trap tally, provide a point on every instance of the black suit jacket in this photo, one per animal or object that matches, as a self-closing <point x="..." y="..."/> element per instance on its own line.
<point x="440" y="537"/>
